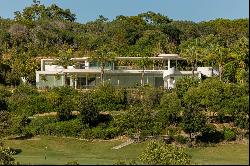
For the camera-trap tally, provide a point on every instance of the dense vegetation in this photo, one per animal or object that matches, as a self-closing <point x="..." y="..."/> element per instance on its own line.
<point x="47" y="31"/>
<point x="106" y="112"/>
<point x="209" y="110"/>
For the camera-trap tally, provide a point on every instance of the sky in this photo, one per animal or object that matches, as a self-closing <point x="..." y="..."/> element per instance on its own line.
<point x="89" y="10"/>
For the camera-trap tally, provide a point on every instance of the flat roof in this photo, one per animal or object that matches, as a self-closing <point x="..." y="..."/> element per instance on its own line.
<point x="159" y="57"/>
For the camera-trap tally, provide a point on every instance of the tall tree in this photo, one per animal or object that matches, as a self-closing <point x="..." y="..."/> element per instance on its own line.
<point x="102" y="56"/>
<point x="190" y="50"/>
<point x="65" y="60"/>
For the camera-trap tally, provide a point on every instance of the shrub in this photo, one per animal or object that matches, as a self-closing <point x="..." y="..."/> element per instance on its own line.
<point x="25" y="89"/>
<point x="100" y="132"/>
<point x="4" y="92"/>
<point x="229" y="134"/>
<point x="183" y="84"/>
<point x="75" y="162"/>
<point x="3" y="104"/>
<point x="210" y="135"/>
<point x="5" y="123"/>
<point x="63" y="128"/>
<point x="181" y="139"/>
<point x="193" y="121"/>
<point x="39" y="104"/>
<point x="36" y="126"/>
<point x="88" y="111"/>
<point x="158" y="153"/>
<point x="18" y="124"/>
<point x="170" y="109"/>
<point x="151" y="97"/>
<point x="6" y="156"/>
<point x="135" y="119"/>
<point x="242" y="120"/>
<point x="107" y="98"/>
<point x="64" y="108"/>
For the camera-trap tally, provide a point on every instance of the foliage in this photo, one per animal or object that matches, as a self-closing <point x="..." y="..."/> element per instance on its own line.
<point x="6" y="156"/>
<point x="151" y="97"/>
<point x="75" y="162"/>
<point x="88" y="111"/>
<point x="193" y="121"/>
<point x="210" y="134"/>
<point x="36" y="126"/>
<point x="108" y="98"/>
<point x="170" y="109"/>
<point x="64" y="108"/>
<point x="64" y="128"/>
<point x="135" y="120"/>
<point x="160" y="153"/>
<point x="229" y="134"/>
<point x="19" y="122"/>
<point x="5" y="123"/>
<point x="181" y="139"/>
<point x="183" y="84"/>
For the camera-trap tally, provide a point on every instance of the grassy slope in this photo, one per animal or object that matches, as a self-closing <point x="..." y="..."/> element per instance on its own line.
<point x="62" y="150"/>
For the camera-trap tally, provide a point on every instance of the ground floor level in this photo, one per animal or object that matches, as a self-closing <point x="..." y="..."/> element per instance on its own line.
<point x="89" y="80"/>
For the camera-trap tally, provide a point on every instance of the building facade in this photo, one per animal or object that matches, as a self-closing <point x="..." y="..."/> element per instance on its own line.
<point x="87" y="73"/>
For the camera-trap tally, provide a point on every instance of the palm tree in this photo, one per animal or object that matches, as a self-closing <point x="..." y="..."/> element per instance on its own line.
<point x="143" y="64"/>
<point x="102" y="55"/>
<point x="65" y="60"/>
<point x="190" y="50"/>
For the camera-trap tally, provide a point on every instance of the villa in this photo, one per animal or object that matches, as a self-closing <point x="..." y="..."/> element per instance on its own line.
<point x="87" y="73"/>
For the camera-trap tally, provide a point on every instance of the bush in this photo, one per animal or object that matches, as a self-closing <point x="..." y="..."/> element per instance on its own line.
<point x="151" y="97"/>
<point x="107" y="98"/>
<point x="25" y="89"/>
<point x="36" y="126"/>
<point x="3" y="104"/>
<point x="100" y="132"/>
<point x="64" y="128"/>
<point x="18" y="124"/>
<point x="242" y="120"/>
<point x="88" y="111"/>
<point x="170" y="109"/>
<point x="75" y="162"/>
<point x="210" y="135"/>
<point x="5" y="123"/>
<point x="229" y="134"/>
<point x="6" y="156"/>
<point x="4" y="92"/>
<point x="183" y="84"/>
<point x="181" y="139"/>
<point x="158" y="153"/>
<point x="65" y="108"/>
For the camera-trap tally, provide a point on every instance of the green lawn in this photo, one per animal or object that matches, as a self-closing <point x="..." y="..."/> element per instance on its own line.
<point x="62" y="150"/>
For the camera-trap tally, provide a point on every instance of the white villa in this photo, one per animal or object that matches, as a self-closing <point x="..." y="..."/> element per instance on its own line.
<point x="87" y="73"/>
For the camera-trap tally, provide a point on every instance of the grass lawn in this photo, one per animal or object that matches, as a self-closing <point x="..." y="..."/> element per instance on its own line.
<point x="62" y="150"/>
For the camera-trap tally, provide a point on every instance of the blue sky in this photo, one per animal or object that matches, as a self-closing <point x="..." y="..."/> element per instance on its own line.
<point x="192" y="10"/>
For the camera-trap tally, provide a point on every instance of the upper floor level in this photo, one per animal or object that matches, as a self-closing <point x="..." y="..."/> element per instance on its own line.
<point x="160" y="62"/>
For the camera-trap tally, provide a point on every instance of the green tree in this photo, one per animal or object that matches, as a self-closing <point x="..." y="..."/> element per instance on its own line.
<point x="170" y="109"/>
<point x="191" y="51"/>
<point x="159" y="153"/>
<point x="183" y="84"/>
<point x="193" y="121"/>
<point x="65" y="60"/>
<point x="143" y="64"/>
<point x="88" y="111"/>
<point x="102" y="56"/>
<point x="64" y="108"/>
<point x="5" y="124"/>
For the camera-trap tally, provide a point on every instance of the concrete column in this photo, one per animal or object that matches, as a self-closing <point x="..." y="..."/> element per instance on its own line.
<point x="168" y="64"/>
<point x="75" y="83"/>
<point x="86" y="81"/>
